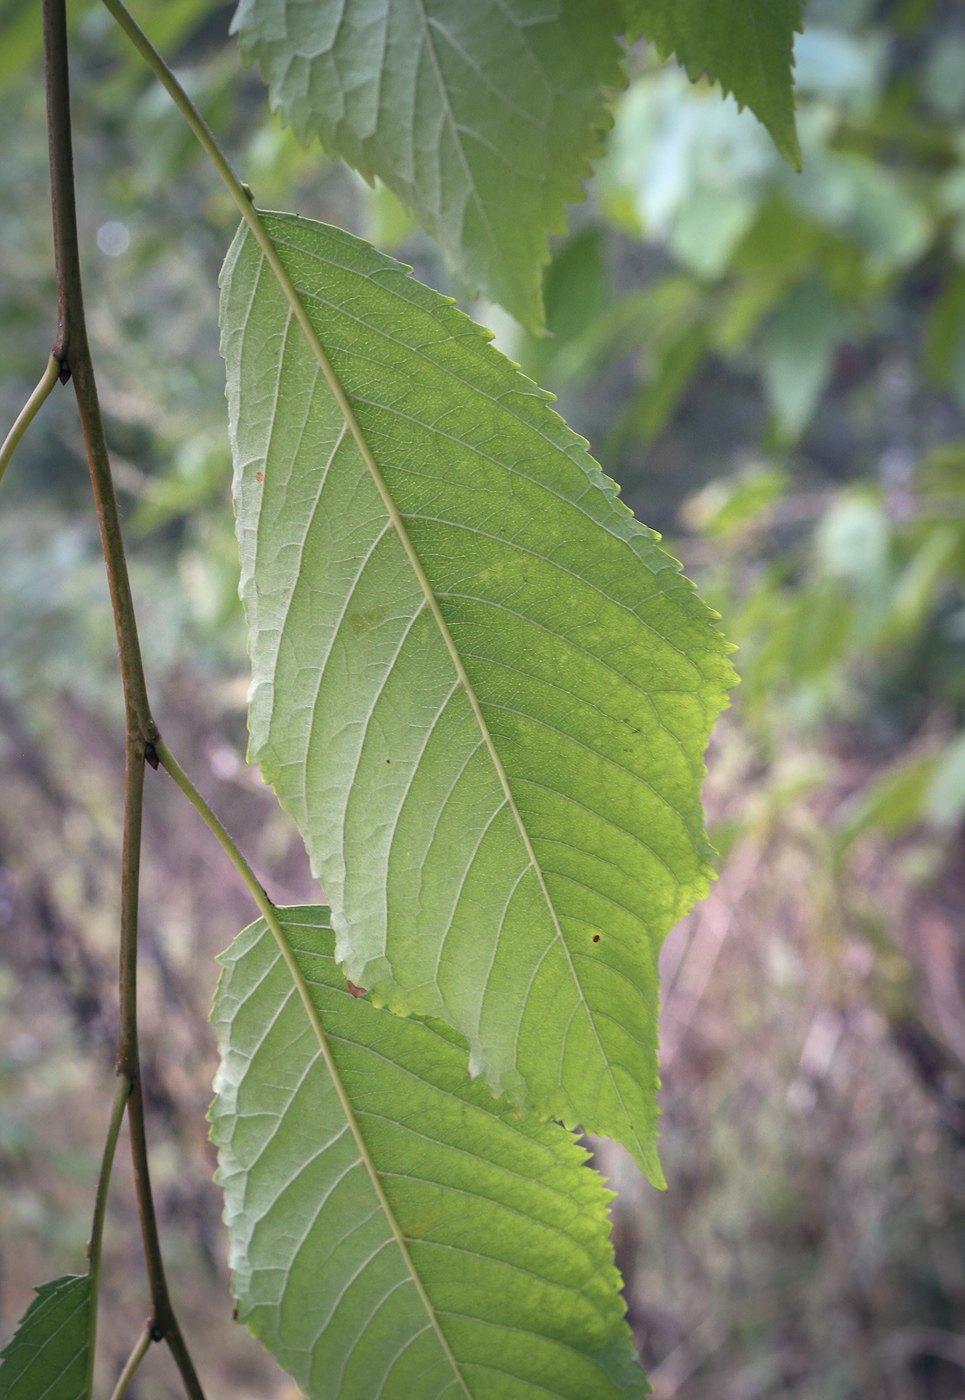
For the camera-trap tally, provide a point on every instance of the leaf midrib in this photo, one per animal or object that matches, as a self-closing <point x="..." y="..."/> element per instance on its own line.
<point x="301" y="986"/>
<point x="456" y="131"/>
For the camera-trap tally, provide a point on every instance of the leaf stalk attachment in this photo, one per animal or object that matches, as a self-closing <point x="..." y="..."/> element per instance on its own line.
<point x="29" y="412"/>
<point x="132" y="1363"/>
<point x="121" y="1095"/>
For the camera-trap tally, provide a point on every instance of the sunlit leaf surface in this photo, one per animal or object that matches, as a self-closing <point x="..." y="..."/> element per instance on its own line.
<point x="398" y="1234"/>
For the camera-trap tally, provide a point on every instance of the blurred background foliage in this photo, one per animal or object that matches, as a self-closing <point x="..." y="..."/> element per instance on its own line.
<point x="773" y="367"/>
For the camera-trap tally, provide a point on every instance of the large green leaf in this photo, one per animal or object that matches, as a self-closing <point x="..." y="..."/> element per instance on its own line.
<point x="481" y="117"/>
<point x="479" y="686"/>
<point x="46" y="1359"/>
<point x="395" y="1235"/>
<point x="745" y="45"/>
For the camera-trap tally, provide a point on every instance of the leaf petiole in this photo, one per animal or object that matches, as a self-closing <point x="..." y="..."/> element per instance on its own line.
<point x="121" y="1095"/>
<point x="29" y="412"/>
<point x="132" y="1363"/>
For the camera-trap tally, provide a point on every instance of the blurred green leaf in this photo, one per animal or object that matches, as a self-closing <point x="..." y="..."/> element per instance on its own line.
<point x="387" y="223"/>
<point x="817" y="631"/>
<point x="846" y="68"/>
<point x="943" y="82"/>
<point x="576" y="293"/>
<point x="864" y="200"/>
<point x="695" y="168"/>
<point x="727" y="508"/>
<point x="671" y="369"/>
<point x="944" y="798"/>
<point x="914" y="591"/>
<point x="853" y="541"/>
<point x="891" y="804"/>
<point x="199" y="475"/>
<point x="945" y="347"/>
<point x="797" y="354"/>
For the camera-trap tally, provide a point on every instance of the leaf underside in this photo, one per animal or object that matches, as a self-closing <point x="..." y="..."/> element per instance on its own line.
<point x="745" y="45"/>
<point x="46" y="1359"/>
<point x="503" y="1226"/>
<point x="481" y="117"/>
<point x="513" y="869"/>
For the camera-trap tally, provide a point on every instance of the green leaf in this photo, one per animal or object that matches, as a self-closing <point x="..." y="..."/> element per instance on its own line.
<point x="480" y="688"/>
<point x="745" y="45"/>
<point x="46" y="1359"/>
<point x="797" y="354"/>
<point x="893" y="803"/>
<point x="482" y="118"/>
<point x="944" y="798"/>
<point x="394" y="1232"/>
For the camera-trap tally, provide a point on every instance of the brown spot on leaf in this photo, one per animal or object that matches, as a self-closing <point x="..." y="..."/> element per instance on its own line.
<point x="367" y="619"/>
<point x="596" y="938"/>
<point x="356" y="991"/>
<point x="259" y="476"/>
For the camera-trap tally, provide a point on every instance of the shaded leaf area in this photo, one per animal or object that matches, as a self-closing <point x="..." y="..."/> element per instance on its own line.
<point x="482" y="118"/>
<point x="469" y="1256"/>
<point x="503" y="848"/>
<point x="745" y="45"/>
<point x="46" y="1359"/>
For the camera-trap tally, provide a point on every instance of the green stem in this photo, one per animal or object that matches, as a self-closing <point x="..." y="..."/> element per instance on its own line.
<point x="167" y="760"/>
<point x="121" y="1095"/>
<point x="183" y="103"/>
<point x="29" y="412"/>
<point x="132" y="1363"/>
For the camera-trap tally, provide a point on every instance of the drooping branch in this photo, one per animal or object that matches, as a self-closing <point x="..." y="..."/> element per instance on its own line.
<point x="72" y="355"/>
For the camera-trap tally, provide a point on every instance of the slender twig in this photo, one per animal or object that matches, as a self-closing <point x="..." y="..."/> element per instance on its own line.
<point x="121" y="1095"/>
<point x="132" y="1363"/>
<point x="72" y="354"/>
<point x="29" y="412"/>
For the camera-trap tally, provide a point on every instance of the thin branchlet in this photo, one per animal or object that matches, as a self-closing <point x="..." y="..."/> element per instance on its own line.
<point x="71" y="354"/>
